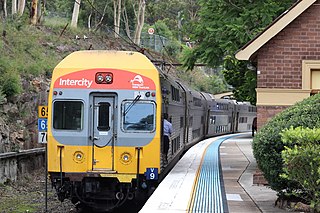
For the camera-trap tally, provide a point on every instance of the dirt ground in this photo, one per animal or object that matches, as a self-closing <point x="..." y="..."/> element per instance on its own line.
<point x="28" y="195"/>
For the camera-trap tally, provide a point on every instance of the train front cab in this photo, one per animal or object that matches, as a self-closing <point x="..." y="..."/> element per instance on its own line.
<point x="104" y="138"/>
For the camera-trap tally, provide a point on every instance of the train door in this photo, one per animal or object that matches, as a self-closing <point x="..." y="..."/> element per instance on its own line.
<point x="103" y="133"/>
<point x="236" y="122"/>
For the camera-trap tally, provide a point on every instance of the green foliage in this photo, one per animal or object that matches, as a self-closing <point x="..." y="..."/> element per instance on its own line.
<point x="2" y="97"/>
<point x="302" y="160"/>
<point x="267" y="145"/>
<point x="224" y="27"/>
<point x="24" y="52"/>
<point x="172" y="49"/>
<point x="11" y="84"/>
<point x="176" y="14"/>
<point x="204" y="82"/>
<point x="162" y="29"/>
<point x="242" y="79"/>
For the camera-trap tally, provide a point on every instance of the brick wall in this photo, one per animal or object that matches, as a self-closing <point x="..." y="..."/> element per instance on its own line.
<point x="265" y="113"/>
<point x="279" y="60"/>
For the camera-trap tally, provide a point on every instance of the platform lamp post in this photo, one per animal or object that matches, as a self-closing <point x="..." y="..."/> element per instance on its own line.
<point x="42" y="138"/>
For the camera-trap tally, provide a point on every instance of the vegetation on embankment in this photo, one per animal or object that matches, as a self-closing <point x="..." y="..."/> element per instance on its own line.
<point x="28" y="55"/>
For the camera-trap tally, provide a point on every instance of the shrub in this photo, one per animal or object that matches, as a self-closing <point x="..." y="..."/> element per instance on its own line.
<point x="2" y="97"/>
<point x="267" y="145"/>
<point x="302" y="161"/>
<point x="11" y="84"/>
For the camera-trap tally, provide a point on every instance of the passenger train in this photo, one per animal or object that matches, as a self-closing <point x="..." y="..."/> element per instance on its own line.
<point x="105" y="114"/>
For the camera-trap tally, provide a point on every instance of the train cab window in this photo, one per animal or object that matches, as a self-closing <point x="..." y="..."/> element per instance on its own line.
<point x="138" y="116"/>
<point x="67" y="115"/>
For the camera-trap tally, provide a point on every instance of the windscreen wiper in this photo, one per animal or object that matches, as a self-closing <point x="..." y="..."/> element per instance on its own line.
<point x="137" y="98"/>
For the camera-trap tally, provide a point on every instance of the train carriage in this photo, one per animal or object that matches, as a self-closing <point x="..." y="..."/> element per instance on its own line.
<point x="195" y="117"/>
<point x="105" y="115"/>
<point x="104" y="126"/>
<point x="173" y="103"/>
<point x="221" y="117"/>
<point x="246" y="113"/>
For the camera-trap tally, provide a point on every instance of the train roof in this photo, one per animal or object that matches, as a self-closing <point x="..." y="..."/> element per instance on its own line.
<point x="208" y="96"/>
<point x="126" y="60"/>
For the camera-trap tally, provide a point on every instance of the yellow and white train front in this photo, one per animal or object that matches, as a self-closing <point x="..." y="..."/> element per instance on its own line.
<point x="104" y="127"/>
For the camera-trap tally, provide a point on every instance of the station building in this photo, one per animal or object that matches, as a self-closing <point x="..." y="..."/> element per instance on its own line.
<point x="287" y="58"/>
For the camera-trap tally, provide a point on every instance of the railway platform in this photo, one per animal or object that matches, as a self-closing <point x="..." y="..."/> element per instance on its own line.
<point x="215" y="175"/>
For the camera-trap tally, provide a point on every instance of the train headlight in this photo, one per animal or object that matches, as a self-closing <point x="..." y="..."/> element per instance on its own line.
<point x="126" y="158"/>
<point x="99" y="78"/>
<point x="78" y="157"/>
<point x="109" y="78"/>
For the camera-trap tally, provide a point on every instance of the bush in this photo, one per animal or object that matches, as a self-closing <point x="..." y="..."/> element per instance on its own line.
<point x="267" y="145"/>
<point x="2" y="97"/>
<point x="302" y="161"/>
<point x="11" y="84"/>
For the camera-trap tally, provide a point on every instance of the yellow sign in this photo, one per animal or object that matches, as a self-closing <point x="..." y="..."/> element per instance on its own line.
<point x="42" y="111"/>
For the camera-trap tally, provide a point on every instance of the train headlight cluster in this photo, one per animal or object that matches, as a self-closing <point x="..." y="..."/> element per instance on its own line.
<point x="125" y="158"/>
<point x="78" y="157"/>
<point x="104" y="78"/>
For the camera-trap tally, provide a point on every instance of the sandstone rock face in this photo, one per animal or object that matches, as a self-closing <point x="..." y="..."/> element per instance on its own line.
<point x="4" y="137"/>
<point x="18" y="118"/>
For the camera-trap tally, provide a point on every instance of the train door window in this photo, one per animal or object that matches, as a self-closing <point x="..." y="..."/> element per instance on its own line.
<point x="190" y="121"/>
<point x="68" y="115"/>
<point x="212" y="119"/>
<point x="103" y="117"/>
<point x="181" y="122"/>
<point x="138" y="116"/>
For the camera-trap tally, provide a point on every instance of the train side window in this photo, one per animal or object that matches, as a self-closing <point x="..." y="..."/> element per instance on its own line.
<point x="140" y="117"/>
<point x="175" y="93"/>
<point x="243" y="120"/>
<point x="67" y="115"/>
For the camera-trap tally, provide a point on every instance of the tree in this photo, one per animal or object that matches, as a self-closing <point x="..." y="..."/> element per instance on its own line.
<point x="139" y="10"/>
<point x="75" y="14"/>
<point x="116" y="17"/>
<point x="223" y="28"/>
<point x="3" y="8"/>
<point x="34" y="12"/>
<point x="21" y="6"/>
<point x="14" y="7"/>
